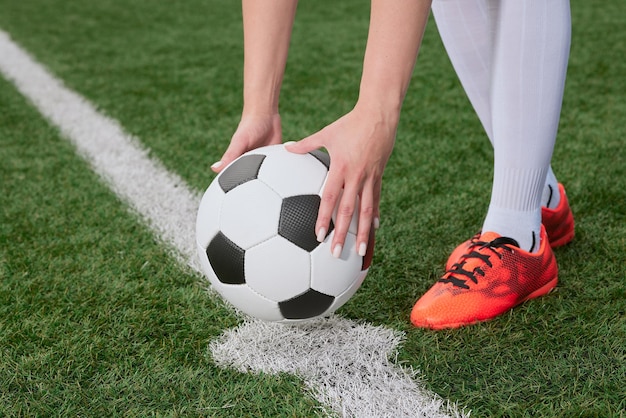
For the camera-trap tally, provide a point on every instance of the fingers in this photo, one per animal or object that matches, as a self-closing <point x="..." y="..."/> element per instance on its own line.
<point x="333" y="196"/>
<point x="343" y="200"/>
<point x="345" y="211"/>
<point x="337" y="198"/>
<point x="353" y="185"/>
<point x="368" y="211"/>
<point x="349" y="188"/>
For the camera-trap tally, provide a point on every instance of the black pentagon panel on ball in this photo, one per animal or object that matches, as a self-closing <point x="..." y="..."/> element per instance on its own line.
<point x="307" y="305"/>
<point x="227" y="260"/>
<point x="322" y="156"/>
<point x="298" y="215"/>
<point x="241" y="171"/>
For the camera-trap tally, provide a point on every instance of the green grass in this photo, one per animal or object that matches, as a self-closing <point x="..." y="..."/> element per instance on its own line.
<point x="96" y="319"/>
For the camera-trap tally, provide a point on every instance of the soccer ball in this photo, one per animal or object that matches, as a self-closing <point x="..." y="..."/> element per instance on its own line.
<point x="255" y="233"/>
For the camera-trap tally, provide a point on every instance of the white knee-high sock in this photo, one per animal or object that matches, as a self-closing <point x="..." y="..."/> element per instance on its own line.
<point x="468" y="29"/>
<point x="530" y="62"/>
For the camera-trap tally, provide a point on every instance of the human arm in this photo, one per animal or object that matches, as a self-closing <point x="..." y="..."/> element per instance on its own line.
<point x="361" y="141"/>
<point x="267" y="33"/>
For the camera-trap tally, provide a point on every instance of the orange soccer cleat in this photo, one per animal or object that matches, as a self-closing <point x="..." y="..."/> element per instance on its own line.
<point x="491" y="277"/>
<point x="559" y="223"/>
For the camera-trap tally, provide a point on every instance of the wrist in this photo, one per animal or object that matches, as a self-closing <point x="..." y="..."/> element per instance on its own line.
<point x="260" y="108"/>
<point x="261" y="101"/>
<point x="381" y="110"/>
<point x="382" y="95"/>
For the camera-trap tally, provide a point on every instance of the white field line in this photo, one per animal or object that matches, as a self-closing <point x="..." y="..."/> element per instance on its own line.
<point x="345" y="365"/>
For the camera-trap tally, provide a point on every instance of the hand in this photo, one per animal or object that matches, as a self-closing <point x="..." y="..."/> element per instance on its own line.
<point x="254" y="131"/>
<point x="359" y="145"/>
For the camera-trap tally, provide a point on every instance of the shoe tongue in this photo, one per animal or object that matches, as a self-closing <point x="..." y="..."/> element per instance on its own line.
<point x="490" y="236"/>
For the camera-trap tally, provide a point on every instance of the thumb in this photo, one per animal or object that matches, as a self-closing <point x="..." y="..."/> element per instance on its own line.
<point x="234" y="150"/>
<point x="304" y="145"/>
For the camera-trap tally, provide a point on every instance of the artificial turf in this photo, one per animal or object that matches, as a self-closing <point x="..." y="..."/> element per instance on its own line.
<point x="96" y="319"/>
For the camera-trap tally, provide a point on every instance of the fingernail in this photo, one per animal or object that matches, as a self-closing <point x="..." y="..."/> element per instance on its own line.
<point x="337" y="251"/>
<point x="321" y="235"/>
<point x="362" y="249"/>
<point x="217" y="164"/>
<point x="289" y="143"/>
<point x="376" y="223"/>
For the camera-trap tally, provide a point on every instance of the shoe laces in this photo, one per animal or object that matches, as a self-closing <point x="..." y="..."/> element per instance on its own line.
<point x="458" y="274"/>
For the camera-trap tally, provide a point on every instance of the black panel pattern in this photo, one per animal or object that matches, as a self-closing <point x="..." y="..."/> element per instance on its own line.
<point x="322" y="156"/>
<point x="241" y="171"/>
<point x="298" y="215"/>
<point x="307" y="305"/>
<point x="227" y="260"/>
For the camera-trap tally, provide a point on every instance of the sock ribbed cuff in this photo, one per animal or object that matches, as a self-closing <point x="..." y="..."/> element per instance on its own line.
<point x="518" y="189"/>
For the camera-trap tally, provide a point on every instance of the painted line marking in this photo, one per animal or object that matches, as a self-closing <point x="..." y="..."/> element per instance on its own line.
<point x="345" y="365"/>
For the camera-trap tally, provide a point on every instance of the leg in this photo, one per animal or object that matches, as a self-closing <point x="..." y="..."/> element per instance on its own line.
<point x="511" y="260"/>
<point x="468" y="29"/>
<point x="529" y="65"/>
